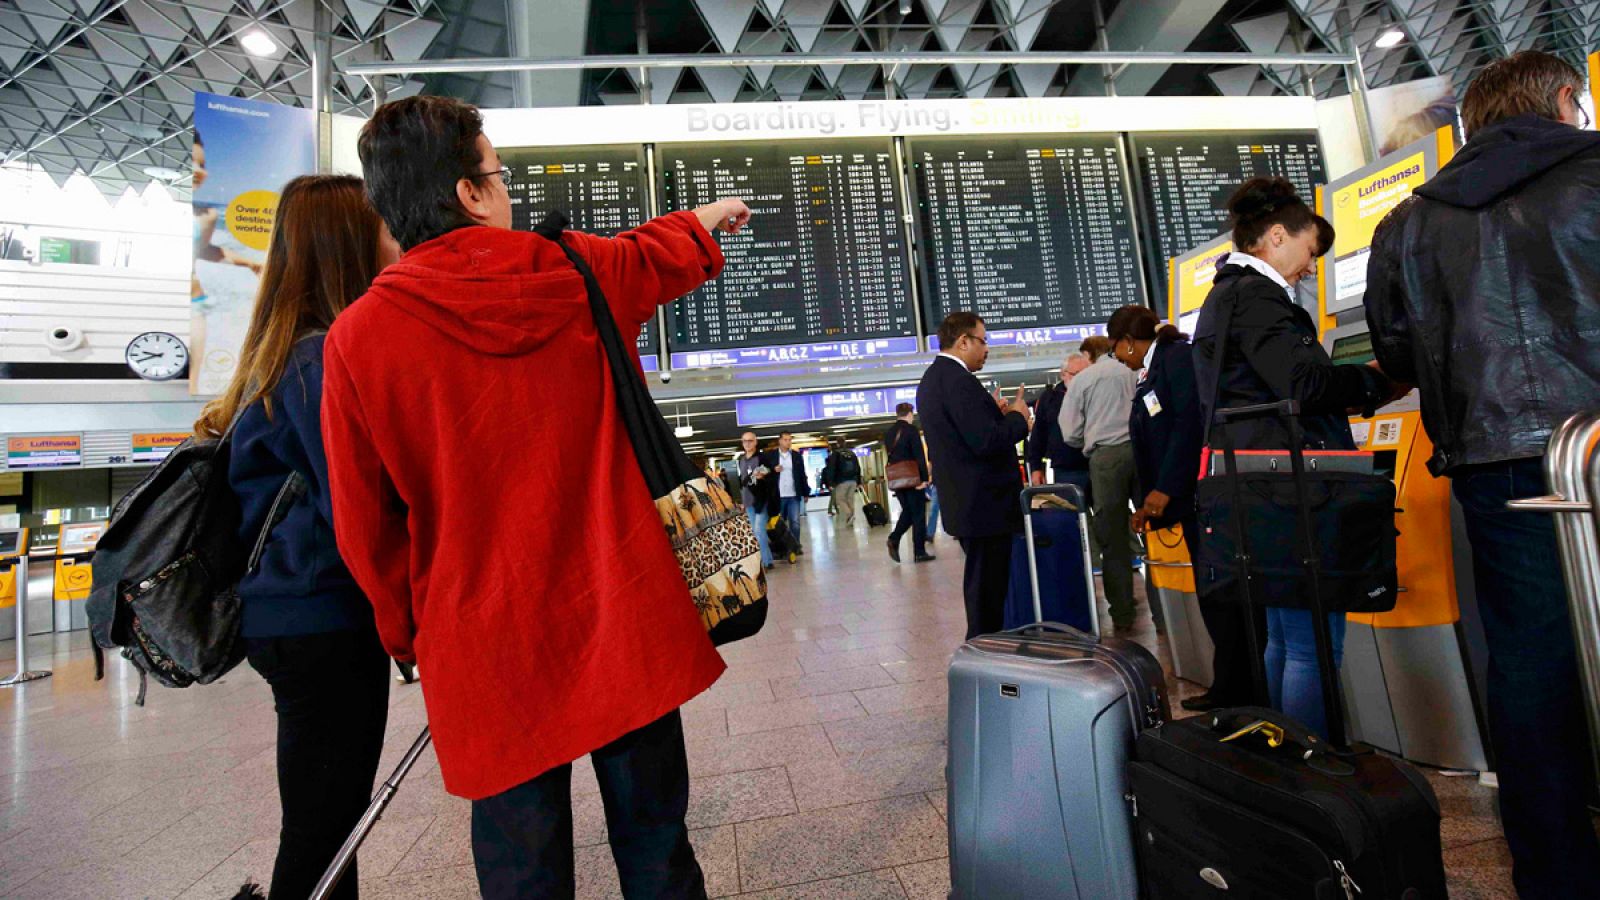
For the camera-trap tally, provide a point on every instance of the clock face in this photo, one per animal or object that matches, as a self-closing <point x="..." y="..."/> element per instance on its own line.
<point x="157" y="356"/>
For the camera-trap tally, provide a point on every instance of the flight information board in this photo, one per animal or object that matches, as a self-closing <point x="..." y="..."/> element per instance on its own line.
<point x="600" y="188"/>
<point x="1028" y="232"/>
<point x="821" y="272"/>
<point x="1188" y="177"/>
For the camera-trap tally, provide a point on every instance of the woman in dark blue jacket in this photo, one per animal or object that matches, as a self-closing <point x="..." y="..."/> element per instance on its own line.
<point x="307" y="627"/>
<point x="1168" y="433"/>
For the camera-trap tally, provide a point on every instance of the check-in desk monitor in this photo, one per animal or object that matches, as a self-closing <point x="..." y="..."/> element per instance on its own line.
<point x="74" y="573"/>
<point x="1408" y="674"/>
<point x="13" y="541"/>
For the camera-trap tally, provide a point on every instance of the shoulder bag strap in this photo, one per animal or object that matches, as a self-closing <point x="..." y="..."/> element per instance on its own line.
<point x="661" y="459"/>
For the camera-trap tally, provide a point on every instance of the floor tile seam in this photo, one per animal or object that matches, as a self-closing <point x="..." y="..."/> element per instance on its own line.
<point x="918" y="792"/>
<point x="828" y="878"/>
<point x="409" y="847"/>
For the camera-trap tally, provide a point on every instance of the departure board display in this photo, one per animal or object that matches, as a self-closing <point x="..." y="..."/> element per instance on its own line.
<point x="1028" y="232"/>
<point x="820" y="273"/>
<point x="1187" y="179"/>
<point x="601" y="189"/>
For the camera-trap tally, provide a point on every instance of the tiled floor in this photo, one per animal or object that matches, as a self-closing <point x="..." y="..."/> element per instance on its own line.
<point x="818" y="763"/>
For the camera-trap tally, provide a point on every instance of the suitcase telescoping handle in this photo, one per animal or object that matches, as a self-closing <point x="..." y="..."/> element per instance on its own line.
<point x="1074" y="498"/>
<point x="1289" y="412"/>
<point x="380" y="802"/>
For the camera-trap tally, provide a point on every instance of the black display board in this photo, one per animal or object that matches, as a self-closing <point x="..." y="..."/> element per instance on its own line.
<point x="1029" y="232"/>
<point x="1186" y="179"/>
<point x="600" y="188"/>
<point x="823" y="262"/>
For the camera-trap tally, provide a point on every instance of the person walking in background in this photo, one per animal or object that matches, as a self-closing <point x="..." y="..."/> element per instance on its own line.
<point x="974" y="438"/>
<point x="306" y="625"/>
<point x="903" y="443"/>
<point x="1484" y="289"/>
<point x="1094" y="418"/>
<point x="755" y="491"/>
<point x="1167" y="435"/>
<point x="1046" y="443"/>
<point x="1272" y="355"/>
<point x="791" y="487"/>
<point x="842" y="475"/>
<point x="568" y="632"/>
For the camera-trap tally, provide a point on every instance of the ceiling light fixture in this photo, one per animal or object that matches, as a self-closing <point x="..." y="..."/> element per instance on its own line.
<point x="258" y="43"/>
<point x="1389" y="38"/>
<point x="905" y="7"/>
<point x="163" y="173"/>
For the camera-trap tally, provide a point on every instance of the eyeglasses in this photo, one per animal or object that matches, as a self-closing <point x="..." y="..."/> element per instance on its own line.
<point x="982" y="340"/>
<point x="1583" y="113"/>
<point x="504" y="172"/>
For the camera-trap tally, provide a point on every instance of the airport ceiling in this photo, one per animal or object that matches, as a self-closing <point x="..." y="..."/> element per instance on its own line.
<point x="105" y="87"/>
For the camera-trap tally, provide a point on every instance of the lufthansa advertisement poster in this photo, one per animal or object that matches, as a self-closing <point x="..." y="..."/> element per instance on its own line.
<point x="244" y="152"/>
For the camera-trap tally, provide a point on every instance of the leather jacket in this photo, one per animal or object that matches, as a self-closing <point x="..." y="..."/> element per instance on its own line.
<point x="1484" y="290"/>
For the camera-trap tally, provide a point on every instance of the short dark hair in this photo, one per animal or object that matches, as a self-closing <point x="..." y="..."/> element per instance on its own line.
<point x="1096" y="346"/>
<point x="956" y="326"/>
<point x="785" y="434"/>
<point x="1140" y="323"/>
<point x="1261" y="203"/>
<point x="905" y="409"/>
<point x="413" y="151"/>
<point x="1521" y="84"/>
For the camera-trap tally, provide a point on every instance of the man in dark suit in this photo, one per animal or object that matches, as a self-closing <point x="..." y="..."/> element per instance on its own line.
<point x="791" y="488"/>
<point x="903" y="442"/>
<point x="972" y="437"/>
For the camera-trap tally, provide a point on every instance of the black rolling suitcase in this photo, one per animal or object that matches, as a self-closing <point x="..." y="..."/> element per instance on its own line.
<point x="1248" y="803"/>
<point x="876" y="515"/>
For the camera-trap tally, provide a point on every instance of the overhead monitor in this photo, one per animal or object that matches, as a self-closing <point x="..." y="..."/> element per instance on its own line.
<point x="1187" y="179"/>
<point x="601" y="189"/>
<point x="1029" y="232"/>
<point x="822" y="271"/>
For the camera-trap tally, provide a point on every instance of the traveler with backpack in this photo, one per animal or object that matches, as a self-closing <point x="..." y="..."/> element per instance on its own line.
<point x="842" y="475"/>
<point x="307" y="627"/>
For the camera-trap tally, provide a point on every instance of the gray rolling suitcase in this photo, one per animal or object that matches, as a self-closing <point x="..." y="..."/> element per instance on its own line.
<point x="1042" y="722"/>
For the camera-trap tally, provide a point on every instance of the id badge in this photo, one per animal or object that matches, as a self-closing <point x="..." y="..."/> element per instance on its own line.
<point x="1152" y="404"/>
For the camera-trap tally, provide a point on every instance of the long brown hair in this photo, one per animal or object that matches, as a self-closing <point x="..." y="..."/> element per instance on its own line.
<point x="323" y="255"/>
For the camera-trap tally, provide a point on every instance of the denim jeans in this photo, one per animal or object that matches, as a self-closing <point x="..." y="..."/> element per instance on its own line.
<point x="331" y="692"/>
<point x="791" y="508"/>
<point x="522" y="838"/>
<point x="1536" y="713"/>
<point x="933" y="512"/>
<point x="758" y="521"/>
<point x="1294" y="680"/>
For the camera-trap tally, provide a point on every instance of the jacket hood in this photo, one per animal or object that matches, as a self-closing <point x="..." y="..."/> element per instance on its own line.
<point x="498" y="291"/>
<point x="1503" y="157"/>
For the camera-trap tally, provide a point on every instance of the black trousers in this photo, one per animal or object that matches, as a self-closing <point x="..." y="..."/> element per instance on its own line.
<point x="1232" y="677"/>
<point x="522" y="838"/>
<point x="331" y="692"/>
<point x="985" y="581"/>
<point x="913" y="517"/>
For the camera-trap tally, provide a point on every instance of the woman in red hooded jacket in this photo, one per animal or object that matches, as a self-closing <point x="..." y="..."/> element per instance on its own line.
<point x="468" y="413"/>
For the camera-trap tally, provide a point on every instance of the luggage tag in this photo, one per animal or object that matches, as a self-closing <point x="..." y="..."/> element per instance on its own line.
<point x="1152" y="403"/>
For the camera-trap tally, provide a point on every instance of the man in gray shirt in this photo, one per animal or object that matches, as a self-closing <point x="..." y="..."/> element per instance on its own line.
<point x="1094" y="418"/>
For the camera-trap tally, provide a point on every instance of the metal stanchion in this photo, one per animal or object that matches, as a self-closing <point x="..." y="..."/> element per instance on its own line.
<point x="1573" y="505"/>
<point x="23" y="674"/>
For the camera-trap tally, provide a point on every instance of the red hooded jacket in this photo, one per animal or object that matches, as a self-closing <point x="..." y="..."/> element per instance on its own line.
<point x="487" y="499"/>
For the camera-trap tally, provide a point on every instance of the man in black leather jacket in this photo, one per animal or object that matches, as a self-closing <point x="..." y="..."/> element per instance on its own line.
<point x="1484" y="289"/>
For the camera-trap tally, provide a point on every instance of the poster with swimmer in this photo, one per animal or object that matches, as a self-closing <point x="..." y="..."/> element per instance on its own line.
<point x="244" y="152"/>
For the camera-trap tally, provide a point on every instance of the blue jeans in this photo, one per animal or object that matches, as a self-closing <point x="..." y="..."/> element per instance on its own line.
<point x="791" y="508"/>
<point x="1536" y="711"/>
<point x="758" y="521"/>
<point x="1294" y="682"/>
<point x="933" y="511"/>
<point x="522" y="838"/>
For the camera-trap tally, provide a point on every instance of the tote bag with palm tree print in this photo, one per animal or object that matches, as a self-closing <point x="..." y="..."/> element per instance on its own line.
<point x="716" y="548"/>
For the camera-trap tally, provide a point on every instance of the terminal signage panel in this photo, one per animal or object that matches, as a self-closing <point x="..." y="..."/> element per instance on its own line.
<point x="1187" y="178"/>
<point x="816" y="407"/>
<point x="45" y="451"/>
<point x="1028" y="232"/>
<point x="601" y="189"/>
<point x="822" y="269"/>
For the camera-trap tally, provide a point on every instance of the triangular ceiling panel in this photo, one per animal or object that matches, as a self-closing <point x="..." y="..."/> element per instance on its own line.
<point x="1035" y="78"/>
<point x="725" y="19"/>
<point x="805" y="19"/>
<point x="721" y="82"/>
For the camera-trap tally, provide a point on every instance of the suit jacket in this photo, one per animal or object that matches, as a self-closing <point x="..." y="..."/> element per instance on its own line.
<point x="772" y="458"/>
<point x="974" y="450"/>
<point x="1166" y="444"/>
<point x="1046" y="442"/>
<point x="903" y="441"/>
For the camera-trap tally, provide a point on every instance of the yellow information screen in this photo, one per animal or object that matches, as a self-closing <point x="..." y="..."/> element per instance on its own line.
<point x="1191" y="276"/>
<point x="1594" y="80"/>
<point x="1359" y="207"/>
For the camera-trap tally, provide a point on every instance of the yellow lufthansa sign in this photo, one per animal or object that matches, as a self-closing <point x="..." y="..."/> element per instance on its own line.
<point x="1192" y="276"/>
<point x="1359" y="207"/>
<point x="151" y="447"/>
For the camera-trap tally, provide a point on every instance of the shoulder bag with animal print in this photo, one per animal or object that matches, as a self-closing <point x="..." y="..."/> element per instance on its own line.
<point x="716" y="547"/>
